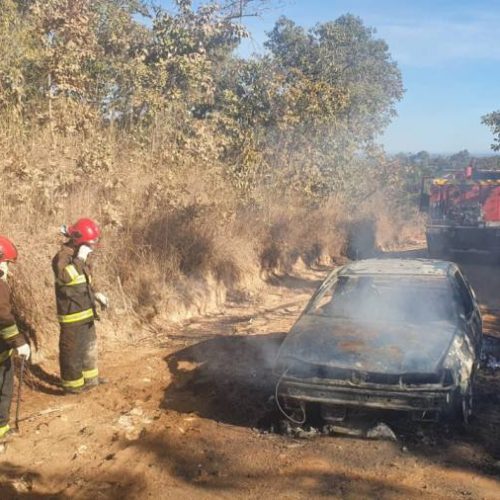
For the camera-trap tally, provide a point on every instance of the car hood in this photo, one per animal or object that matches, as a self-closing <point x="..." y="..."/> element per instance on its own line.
<point x="368" y="346"/>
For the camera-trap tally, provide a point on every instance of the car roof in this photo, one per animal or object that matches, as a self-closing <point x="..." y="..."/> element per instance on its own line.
<point x="406" y="267"/>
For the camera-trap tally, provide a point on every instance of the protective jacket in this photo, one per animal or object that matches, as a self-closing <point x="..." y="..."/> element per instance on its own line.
<point x="74" y="292"/>
<point x="10" y="337"/>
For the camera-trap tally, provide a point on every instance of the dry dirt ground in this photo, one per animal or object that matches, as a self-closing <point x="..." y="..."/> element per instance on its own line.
<point x="185" y="414"/>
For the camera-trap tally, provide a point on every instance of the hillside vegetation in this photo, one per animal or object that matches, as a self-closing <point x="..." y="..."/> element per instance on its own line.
<point x="206" y="170"/>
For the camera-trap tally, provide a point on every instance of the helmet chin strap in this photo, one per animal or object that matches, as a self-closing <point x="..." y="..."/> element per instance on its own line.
<point x="4" y="270"/>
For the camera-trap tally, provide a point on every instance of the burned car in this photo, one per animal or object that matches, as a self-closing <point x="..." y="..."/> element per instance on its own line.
<point x="390" y="334"/>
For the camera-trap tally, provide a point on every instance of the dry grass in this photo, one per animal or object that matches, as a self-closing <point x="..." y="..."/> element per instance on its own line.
<point x="177" y="240"/>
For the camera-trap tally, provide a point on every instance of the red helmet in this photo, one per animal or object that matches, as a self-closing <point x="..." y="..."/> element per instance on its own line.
<point x="84" y="231"/>
<point x="8" y="251"/>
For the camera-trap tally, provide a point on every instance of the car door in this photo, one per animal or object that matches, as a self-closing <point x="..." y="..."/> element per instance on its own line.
<point x="478" y="317"/>
<point x="471" y="311"/>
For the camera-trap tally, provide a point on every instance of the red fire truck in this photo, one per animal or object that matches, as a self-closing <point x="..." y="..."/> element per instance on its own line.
<point x="464" y="212"/>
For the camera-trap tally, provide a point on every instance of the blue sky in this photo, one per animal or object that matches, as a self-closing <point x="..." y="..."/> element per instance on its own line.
<point x="449" y="55"/>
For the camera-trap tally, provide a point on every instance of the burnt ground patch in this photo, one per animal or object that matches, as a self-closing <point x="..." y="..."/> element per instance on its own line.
<point x="226" y="378"/>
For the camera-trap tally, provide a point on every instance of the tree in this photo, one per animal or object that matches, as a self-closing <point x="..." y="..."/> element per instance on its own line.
<point x="492" y="120"/>
<point x="459" y="160"/>
<point x="18" y="50"/>
<point x="303" y="115"/>
<point x="421" y="159"/>
<point x="344" y="54"/>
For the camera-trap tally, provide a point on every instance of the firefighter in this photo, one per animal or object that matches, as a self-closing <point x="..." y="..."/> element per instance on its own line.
<point x="76" y="307"/>
<point x="10" y="337"/>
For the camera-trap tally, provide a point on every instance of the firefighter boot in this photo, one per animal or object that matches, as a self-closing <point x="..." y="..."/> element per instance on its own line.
<point x="94" y="382"/>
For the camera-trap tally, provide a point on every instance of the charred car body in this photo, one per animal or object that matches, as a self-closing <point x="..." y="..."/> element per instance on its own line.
<point x="386" y="334"/>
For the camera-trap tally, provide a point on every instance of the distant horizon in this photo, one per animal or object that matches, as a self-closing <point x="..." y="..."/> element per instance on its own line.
<point x="483" y="154"/>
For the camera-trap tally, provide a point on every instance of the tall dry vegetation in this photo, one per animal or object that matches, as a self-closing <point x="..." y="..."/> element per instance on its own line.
<point x="204" y="169"/>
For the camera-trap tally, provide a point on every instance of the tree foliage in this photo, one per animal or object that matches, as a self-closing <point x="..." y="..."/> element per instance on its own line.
<point x="492" y="120"/>
<point x="306" y="111"/>
<point x="302" y="118"/>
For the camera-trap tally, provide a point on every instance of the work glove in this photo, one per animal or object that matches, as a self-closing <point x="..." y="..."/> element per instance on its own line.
<point x="4" y="270"/>
<point x="24" y="351"/>
<point x="102" y="299"/>
<point x="83" y="252"/>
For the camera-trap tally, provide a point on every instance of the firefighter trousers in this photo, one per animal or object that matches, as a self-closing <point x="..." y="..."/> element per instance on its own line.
<point x="78" y="356"/>
<point x="6" y="391"/>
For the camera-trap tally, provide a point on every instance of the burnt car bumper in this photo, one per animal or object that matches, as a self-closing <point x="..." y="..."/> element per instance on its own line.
<point x="422" y="398"/>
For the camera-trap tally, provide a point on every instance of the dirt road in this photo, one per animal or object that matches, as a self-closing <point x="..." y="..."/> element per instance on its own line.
<point x="185" y="416"/>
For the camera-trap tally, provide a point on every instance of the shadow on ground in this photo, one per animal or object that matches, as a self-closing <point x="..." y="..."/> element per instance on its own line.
<point x="223" y="467"/>
<point x="227" y="379"/>
<point x="40" y="380"/>
<point x="295" y="282"/>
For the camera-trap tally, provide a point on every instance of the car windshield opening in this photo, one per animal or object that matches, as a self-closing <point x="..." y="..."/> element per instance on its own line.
<point x="394" y="299"/>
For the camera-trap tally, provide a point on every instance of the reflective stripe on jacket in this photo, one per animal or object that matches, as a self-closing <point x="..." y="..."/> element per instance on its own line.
<point x="10" y="337"/>
<point x="74" y="294"/>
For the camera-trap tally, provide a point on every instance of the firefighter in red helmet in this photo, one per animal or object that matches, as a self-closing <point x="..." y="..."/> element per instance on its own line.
<point x="10" y="337"/>
<point x="76" y="306"/>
